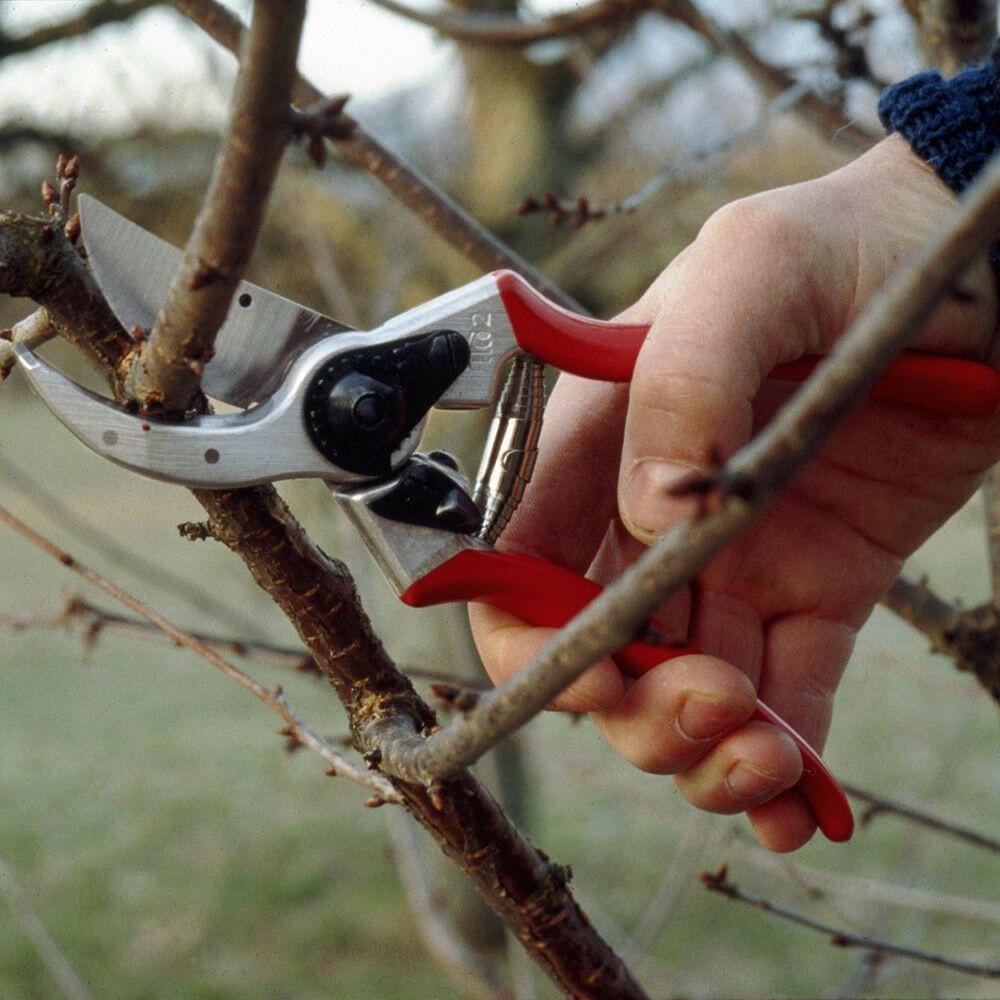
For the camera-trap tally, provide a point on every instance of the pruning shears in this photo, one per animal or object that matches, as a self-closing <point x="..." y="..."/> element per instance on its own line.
<point x="318" y="399"/>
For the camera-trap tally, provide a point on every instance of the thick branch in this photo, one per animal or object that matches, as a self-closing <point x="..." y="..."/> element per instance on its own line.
<point x="94" y="16"/>
<point x="37" y="260"/>
<point x="751" y="480"/>
<point x="437" y="210"/>
<point x="167" y="376"/>
<point x="719" y="882"/>
<point x="580" y="210"/>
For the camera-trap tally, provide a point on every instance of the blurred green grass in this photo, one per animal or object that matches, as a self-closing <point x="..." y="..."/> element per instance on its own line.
<point x="173" y="850"/>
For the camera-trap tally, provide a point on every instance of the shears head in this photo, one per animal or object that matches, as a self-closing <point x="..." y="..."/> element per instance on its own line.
<point x="339" y="405"/>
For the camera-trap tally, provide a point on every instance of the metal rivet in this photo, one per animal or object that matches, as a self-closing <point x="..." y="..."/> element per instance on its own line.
<point x="245" y="300"/>
<point x="110" y="438"/>
<point x="211" y="456"/>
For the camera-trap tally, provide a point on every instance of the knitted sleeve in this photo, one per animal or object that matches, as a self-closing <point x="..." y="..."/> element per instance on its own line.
<point x="951" y="124"/>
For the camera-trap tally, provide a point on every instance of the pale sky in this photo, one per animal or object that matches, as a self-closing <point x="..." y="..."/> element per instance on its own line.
<point x="152" y="62"/>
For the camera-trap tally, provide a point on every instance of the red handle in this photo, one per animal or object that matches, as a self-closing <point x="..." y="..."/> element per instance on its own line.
<point x="605" y="351"/>
<point x="548" y="595"/>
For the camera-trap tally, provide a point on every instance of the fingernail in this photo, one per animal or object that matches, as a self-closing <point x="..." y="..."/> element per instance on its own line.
<point x="648" y="509"/>
<point x="746" y="782"/>
<point x="702" y="718"/>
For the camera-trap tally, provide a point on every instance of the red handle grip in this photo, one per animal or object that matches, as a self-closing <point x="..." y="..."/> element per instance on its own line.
<point x="548" y="595"/>
<point x="596" y="349"/>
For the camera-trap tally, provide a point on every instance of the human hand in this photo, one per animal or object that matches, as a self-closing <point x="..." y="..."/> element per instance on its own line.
<point x="768" y="279"/>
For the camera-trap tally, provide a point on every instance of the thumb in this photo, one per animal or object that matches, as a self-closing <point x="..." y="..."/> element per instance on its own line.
<point x="738" y="301"/>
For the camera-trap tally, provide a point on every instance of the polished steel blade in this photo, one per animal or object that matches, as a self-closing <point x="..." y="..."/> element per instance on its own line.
<point x="263" y="333"/>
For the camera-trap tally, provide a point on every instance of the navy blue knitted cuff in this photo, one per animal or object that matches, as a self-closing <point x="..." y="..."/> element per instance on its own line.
<point x="951" y="124"/>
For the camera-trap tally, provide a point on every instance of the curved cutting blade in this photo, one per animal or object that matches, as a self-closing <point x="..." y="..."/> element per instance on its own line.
<point x="263" y="333"/>
<point x="260" y="445"/>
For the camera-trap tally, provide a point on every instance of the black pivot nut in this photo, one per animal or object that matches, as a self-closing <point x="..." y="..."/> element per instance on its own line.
<point x="361" y="407"/>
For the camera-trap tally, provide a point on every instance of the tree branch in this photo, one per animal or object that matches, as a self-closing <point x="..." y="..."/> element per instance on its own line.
<point x="719" y="882"/>
<point x="580" y="210"/>
<point x="880" y="806"/>
<point x="167" y="375"/>
<point x="95" y="16"/>
<point x="274" y="700"/>
<point x="971" y="638"/>
<point x="745" y="487"/>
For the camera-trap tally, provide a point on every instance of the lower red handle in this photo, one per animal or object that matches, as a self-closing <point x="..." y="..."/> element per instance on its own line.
<point x="548" y="595"/>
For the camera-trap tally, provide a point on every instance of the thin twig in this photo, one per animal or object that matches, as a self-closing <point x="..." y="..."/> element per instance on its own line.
<point x="71" y="520"/>
<point x="580" y="210"/>
<point x="274" y="700"/>
<point x="94" y="16"/>
<point x="66" y="977"/>
<point x="881" y="806"/>
<point x="167" y="375"/>
<point x="748" y="484"/>
<point x="719" y="882"/>
<point x="95" y="621"/>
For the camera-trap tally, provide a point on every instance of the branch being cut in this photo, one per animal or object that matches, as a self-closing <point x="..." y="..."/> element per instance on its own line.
<point x="95" y="16"/>
<point x="580" y="210"/>
<point x="32" y="331"/>
<point x="719" y="882"/>
<point x="167" y="375"/>
<point x="274" y="700"/>
<point x="746" y="486"/>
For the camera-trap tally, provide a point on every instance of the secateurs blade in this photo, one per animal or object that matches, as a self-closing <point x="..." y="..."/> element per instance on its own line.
<point x="349" y="407"/>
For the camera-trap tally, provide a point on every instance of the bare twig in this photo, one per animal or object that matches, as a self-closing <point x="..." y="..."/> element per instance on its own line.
<point x="971" y="638"/>
<point x="461" y="965"/>
<point x="95" y="621"/>
<point x="878" y="806"/>
<point x="274" y="700"/>
<point x="500" y="29"/>
<point x="94" y="16"/>
<point x="167" y="375"/>
<point x="719" y="882"/>
<point x="66" y="977"/>
<point x="580" y="210"/>
<point x="955" y="33"/>
<point x="70" y="519"/>
<point x="747" y="485"/>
